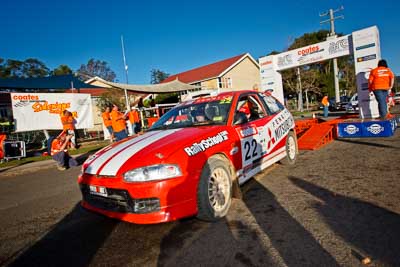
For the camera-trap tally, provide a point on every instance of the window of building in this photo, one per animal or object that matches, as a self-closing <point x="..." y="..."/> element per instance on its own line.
<point x="225" y="82"/>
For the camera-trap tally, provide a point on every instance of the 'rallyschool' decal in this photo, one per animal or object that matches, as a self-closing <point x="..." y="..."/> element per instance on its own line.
<point x="206" y="143"/>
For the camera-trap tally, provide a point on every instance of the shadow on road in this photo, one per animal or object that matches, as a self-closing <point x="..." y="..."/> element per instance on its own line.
<point x="241" y="241"/>
<point x="74" y="241"/>
<point x="370" y="230"/>
<point x="295" y="245"/>
<point x="224" y="243"/>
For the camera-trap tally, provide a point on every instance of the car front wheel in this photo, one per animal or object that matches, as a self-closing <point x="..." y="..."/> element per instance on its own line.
<point x="291" y="149"/>
<point x="214" y="194"/>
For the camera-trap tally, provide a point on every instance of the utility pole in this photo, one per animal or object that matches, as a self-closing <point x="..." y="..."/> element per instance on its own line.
<point x="126" y="73"/>
<point x="332" y="35"/>
<point x="299" y="91"/>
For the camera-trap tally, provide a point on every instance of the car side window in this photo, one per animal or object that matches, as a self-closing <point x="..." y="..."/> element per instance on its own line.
<point x="249" y="108"/>
<point x="273" y="106"/>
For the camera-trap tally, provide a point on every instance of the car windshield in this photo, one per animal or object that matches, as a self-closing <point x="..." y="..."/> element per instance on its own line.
<point x="199" y="112"/>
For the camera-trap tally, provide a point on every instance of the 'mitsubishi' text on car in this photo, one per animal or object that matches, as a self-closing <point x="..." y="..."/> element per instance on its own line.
<point x="190" y="160"/>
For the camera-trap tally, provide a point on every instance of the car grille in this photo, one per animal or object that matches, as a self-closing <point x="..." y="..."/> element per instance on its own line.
<point x="119" y="200"/>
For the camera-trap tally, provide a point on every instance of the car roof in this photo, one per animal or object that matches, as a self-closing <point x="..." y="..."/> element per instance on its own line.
<point x="219" y="95"/>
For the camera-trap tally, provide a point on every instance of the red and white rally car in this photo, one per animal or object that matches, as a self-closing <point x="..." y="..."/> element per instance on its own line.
<point x="188" y="162"/>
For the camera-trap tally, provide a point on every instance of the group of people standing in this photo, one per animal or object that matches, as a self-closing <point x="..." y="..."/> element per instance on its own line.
<point x="115" y="121"/>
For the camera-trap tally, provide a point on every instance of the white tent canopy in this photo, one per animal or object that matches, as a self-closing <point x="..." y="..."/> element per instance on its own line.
<point x="170" y="87"/>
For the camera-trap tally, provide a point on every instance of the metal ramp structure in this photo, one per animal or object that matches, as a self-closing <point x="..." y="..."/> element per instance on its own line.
<point x="316" y="136"/>
<point x="314" y="133"/>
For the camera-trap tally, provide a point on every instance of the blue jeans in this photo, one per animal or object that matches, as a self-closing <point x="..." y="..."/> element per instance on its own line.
<point x="325" y="111"/>
<point x="381" y="96"/>
<point x="110" y="130"/>
<point x="120" y="135"/>
<point x="64" y="159"/>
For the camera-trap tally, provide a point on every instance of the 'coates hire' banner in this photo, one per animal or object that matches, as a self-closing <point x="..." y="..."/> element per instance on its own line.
<point x="42" y="111"/>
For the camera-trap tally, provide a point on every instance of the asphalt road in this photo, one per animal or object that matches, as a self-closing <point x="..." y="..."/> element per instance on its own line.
<point x="335" y="207"/>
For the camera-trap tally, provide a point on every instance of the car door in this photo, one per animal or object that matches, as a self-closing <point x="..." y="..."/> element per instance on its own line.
<point x="262" y="136"/>
<point x="249" y="122"/>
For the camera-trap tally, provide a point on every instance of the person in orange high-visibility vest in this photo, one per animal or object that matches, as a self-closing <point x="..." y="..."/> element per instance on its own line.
<point x="325" y="104"/>
<point x="380" y="81"/>
<point x="59" y="152"/>
<point x="106" y="115"/>
<point x="68" y="123"/>
<point x="118" y="123"/>
<point x="134" y="120"/>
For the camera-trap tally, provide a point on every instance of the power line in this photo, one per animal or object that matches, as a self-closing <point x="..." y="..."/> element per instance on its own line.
<point x="332" y="18"/>
<point x="332" y="34"/>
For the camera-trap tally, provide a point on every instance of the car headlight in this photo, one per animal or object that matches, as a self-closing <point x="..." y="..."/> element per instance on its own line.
<point x="152" y="173"/>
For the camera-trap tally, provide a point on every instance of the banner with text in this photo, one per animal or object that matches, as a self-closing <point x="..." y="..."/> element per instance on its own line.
<point x="42" y="111"/>
<point x="332" y="48"/>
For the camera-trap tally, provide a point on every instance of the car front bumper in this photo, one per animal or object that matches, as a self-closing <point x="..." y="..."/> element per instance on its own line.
<point x="141" y="203"/>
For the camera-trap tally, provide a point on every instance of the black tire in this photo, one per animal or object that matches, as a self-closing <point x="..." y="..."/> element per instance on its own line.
<point x="214" y="193"/>
<point x="291" y="149"/>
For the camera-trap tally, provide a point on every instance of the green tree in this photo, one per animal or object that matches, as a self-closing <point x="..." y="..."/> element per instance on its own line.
<point x="96" y="68"/>
<point x="62" y="70"/>
<point x="13" y="69"/>
<point x="28" y="68"/>
<point x="111" y="96"/>
<point x="34" y="68"/>
<point x="167" y="98"/>
<point x="157" y="76"/>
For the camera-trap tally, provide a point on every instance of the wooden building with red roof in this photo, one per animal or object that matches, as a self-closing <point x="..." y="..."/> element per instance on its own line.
<point x="236" y="73"/>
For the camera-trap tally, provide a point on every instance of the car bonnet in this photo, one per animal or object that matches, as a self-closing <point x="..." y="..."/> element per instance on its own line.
<point x="110" y="160"/>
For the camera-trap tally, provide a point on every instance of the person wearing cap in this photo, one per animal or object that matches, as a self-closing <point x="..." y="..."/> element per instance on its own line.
<point x="59" y="152"/>
<point x="118" y="123"/>
<point x="380" y="81"/>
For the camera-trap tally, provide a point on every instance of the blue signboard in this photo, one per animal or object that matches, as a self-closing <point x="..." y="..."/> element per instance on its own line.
<point x="370" y="128"/>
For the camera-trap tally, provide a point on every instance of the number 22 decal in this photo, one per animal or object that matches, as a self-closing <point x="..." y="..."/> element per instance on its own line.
<point x="251" y="149"/>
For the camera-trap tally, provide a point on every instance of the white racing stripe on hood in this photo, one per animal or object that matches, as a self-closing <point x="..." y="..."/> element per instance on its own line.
<point x="96" y="164"/>
<point x="112" y="167"/>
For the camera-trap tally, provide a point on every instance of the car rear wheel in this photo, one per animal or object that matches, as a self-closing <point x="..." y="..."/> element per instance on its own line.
<point x="214" y="194"/>
<point x="291" y="149"/>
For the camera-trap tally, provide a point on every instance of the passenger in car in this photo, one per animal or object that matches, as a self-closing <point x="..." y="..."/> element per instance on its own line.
<point x="250" y="111"/>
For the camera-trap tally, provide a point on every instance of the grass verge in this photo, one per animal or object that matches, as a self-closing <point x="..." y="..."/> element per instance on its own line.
<point x="88" y="148"/>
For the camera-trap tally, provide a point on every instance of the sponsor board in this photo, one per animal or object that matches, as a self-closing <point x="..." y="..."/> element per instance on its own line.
<point x="361" y="128"/>
<point x="339" y="46"/>
<point x="40" y="111"/>
<point x="365" y="46"/>
<point x="366" y="58"/>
